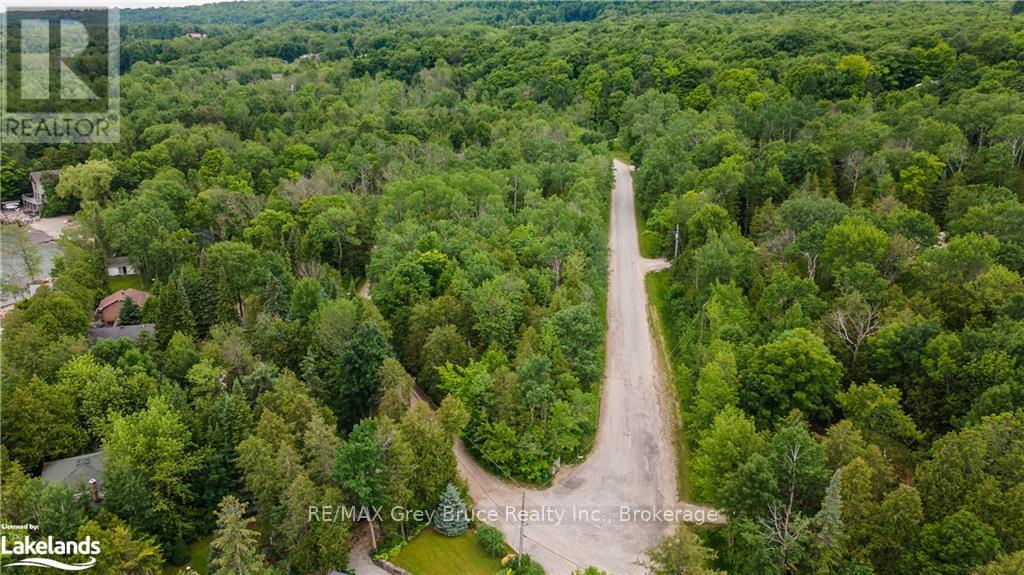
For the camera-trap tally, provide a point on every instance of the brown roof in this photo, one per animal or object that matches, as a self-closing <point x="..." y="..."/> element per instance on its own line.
<point x="138" y="296"/>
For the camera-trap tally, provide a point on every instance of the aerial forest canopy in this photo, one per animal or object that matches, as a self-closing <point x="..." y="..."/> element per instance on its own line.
<point x="333" y="207"/>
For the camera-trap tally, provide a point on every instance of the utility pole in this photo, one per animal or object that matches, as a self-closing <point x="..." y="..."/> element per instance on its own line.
<point x="522" y="530"/>
<point x="373" y="536"/>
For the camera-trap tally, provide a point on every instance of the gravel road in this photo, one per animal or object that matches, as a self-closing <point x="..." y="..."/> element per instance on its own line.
<point x="577" y="521"/>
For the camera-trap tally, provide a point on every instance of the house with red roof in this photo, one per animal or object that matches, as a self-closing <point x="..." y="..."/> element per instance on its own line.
<point x="110" y="307"/>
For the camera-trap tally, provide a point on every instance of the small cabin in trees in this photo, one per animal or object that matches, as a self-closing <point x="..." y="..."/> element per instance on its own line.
<point x="119" y="266"/>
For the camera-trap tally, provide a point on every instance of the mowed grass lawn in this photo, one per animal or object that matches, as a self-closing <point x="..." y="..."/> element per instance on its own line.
<point x="124" y="282"/>
<point x="199" y="553"/>
<point x="434" y="554"/>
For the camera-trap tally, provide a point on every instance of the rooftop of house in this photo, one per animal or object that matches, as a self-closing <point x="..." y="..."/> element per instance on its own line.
<point x="132" y="332"/>
<point x="36" y="180"/>
<point x="37" y="175"/>
<point x="138" y="296"/>
<point x="74" y="470"/>
<point x="119" y="261"/>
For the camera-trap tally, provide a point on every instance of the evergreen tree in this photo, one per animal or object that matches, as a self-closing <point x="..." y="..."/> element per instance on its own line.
<point x="173" y="312"/>
<point x="131" y="313"/>
<point x="226" y="308"/>
<point x="235" y="547"/>
<point x="305" y="298"/>
<point x="206" y="307"/>
<point x="829" y="523"/>
<point x="227" y="422"/>
<point x="451" y="519"/>
<point x="274" y="297"/>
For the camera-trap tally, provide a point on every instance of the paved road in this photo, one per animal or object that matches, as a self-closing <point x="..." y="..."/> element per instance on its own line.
<point x="632" y="463"/>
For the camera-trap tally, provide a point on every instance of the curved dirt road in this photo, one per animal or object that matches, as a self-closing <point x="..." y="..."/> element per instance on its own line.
<point x="632" y="463"/>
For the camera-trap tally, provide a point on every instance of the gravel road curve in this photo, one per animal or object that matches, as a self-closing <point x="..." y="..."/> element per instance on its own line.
<point x="632" y="462"/>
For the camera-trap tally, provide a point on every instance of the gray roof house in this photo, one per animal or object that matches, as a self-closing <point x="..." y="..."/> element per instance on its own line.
<point x="132" y="332"/>
<point x="80" y="471"/>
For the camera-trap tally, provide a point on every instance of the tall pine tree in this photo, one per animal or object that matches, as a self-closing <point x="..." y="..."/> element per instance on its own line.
<point x="206" y="304"/>
<point x="227" y="310"/>
<point x="274" y="296"/>
<point x="235" y="547"/>
<point x="227" y="421"/>
<point x="173" y="312"/>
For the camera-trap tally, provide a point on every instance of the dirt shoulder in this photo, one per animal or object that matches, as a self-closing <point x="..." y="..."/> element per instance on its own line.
<point x="52" y="227"/>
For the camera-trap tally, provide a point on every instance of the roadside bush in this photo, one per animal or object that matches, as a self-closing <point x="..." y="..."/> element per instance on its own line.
<point x="491" y="539"/>
<point x="525" y="565"/>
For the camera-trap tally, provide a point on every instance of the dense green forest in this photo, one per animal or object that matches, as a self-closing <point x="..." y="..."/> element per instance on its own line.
<point x="838" y="188"/>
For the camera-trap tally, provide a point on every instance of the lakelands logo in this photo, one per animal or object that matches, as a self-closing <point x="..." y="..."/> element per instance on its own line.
<point x="26" y="546"/>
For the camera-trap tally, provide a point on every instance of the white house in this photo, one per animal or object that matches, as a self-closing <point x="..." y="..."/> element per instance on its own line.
<point x="119" y="266"/>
